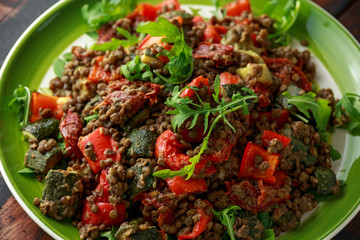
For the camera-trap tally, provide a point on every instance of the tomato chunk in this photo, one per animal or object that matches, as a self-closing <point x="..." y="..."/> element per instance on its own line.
<point x="200" y="226"/>
<point x="248" y="166"/>
<point x="98" y="73"/>
<point x="70" y="129"/>
<point x="228" y="78"/>
<point x="211" y="35"/>
<point x="41" y="101"/>
<point x="99" y="142"/>
<point x="197" y="82"/>
<point x="102" y="216"/>
<point x="270" y="135"/>
<point x="179" y="185"/>
<point x="237" y="7"/>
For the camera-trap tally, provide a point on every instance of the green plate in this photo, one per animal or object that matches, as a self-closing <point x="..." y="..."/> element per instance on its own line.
<point x="57" y="28"/>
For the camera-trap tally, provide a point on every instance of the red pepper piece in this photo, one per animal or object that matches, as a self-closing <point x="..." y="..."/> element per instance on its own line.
<point x="220" y="29"/>
<point x="179" y="185"/>
<point x="170" y="5"/>
<point x="280" y="120"/>
<point x="197" y="82"/>
<point x="98" y="73"/>
<point x="217" y="52"/>
<point x="102" y="214"/>
<point x="198" y="20"/>
<point x="254" y="41"/>
<point x="103" y="187"/>
<point x="264" y="95"/>
<point x="100" y="142"/>
<point x="200" y="226"/>
<point x="228" y="78"/>
<point x="41" y="101"/>
<point x="270" y="135"/>
<point x="236" y="8"/>
<point x="71" y="128"/>
<point x="280" y="177"/>
<point x="279" y="67"/>
<point x="258" y="199"/>
<point x="194" y="135"/>
<point x="248" y="169"/>
<point x="146" y="10"/>
<point x="211" y="35"/>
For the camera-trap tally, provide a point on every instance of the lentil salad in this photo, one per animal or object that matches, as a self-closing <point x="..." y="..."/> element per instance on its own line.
<point x="233" y="137"/>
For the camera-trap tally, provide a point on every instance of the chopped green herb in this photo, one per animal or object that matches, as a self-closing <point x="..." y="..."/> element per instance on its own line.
<point x="26" y="171"/>
<point x="350" y="102"/>
<point x="110" y="235"/>
<point x="91" y="117"/>
<point x="116" y="43"/>
<point x="265" y="219"/>
<point x="67" y="56"/>
<point x="195" y="11"/>
<point x="335" y="155"/>
<point x="184" y="108"/>
<point x="21" y="104"/>
<point x="59" y="66"/>
<point x="319" y="108"/>
<point x="137" y="70"/>
<point x="268" y="234"/>
<point x="105" y="11"/>
<point x="227" y="218"/>
<point x="93" y="35"/>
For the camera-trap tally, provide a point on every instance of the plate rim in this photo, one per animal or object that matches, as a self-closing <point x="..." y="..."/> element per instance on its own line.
<point x="48" y="13"/>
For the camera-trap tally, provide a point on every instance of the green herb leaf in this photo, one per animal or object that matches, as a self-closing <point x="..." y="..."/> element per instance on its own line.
<point x="320" y="108"/>
<point x="105" y="11"/>
<point x="285" y="16"/>
<point x="26" y="171"/>
<point x="184" y="108"/>
<point x="91" y="117"/>
<point x="45" y="90"/>
<point x="21" y="104"/>
<point x="350" y="102"/>
<point x="195" y="11"/>
<point x="335" y="155"/>
<point x="265" y="219"/>
<point x="93" y="35"/>
<point x="116" y="43"/>
<point x="137" y="70"/>
<point x="268" y="234"/>
<point x="59" y="66"/>
<point x="67" y="56"/>
<point x="110" y="235"/>
<point x="227" y="218"/>
<point x="180" y="65"/>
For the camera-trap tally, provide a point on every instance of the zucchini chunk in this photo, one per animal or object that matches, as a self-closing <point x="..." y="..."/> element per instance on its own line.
<point x="62" y="194"/>
<point x="42" y="162"/>
<point x="142" y="143"/>
<point x="326" y="180"/>
<point x="128" y="228"/>
<point x="137" y="120"/>
<point x="149" y="234"/>
<point x="41" y="129"/>
<point x="143" y="178"/>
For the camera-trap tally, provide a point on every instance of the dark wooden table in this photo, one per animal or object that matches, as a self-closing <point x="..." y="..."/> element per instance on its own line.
<point x="17" y="15"/>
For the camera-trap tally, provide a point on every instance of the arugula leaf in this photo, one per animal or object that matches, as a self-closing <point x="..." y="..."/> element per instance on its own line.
<point x="180" y="65"/>
<point x="335" y="155"/>
<point x="110" y="235"/>
<point x="320" y="108"/>
<point x="67" y="56"/>
<point x="105" y="11"/>
<point x="91" y="117"/>
<point x="26" y="170"/>
<point x="116" y="43"/>
<point x="285" y="18"/>
<point x="265" y="219"/>
<point x="184" y="108"/>
<point x="227" y="218"/>
<point x="268" y="234"/>
<point x="21" y="104"/>
<point x="350" y="102"/>
<point x="59" y="66"/>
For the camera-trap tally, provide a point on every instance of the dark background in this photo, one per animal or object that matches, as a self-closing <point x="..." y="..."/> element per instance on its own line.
<point x="17" y="15"/>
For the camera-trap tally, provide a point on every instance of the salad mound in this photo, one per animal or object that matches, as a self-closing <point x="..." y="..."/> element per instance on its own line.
<point x="174" y="126"/>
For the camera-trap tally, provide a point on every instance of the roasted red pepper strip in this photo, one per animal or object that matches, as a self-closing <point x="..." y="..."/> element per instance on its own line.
<point x="179" y="185"/>
<point x="70" y="129"/>
<point x="98" y="73"/>
<point x="248" y="169"/>
<point x="255" y="198"/>
<point x="197" y="82"/>
<point x="277" y="65"/>
<point x="169" y="149"/>
<point x="102" y="188"/>
<point x="41" y="101"/>
<point x="236" y="8"/>
<point x="102" y="214"/>
<point x="211" y="35"/>
<point x="99" y="142"/>
<point x="215" y="51"/>
<point x="270" y="135"/>
<point x="200" y="226"/>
